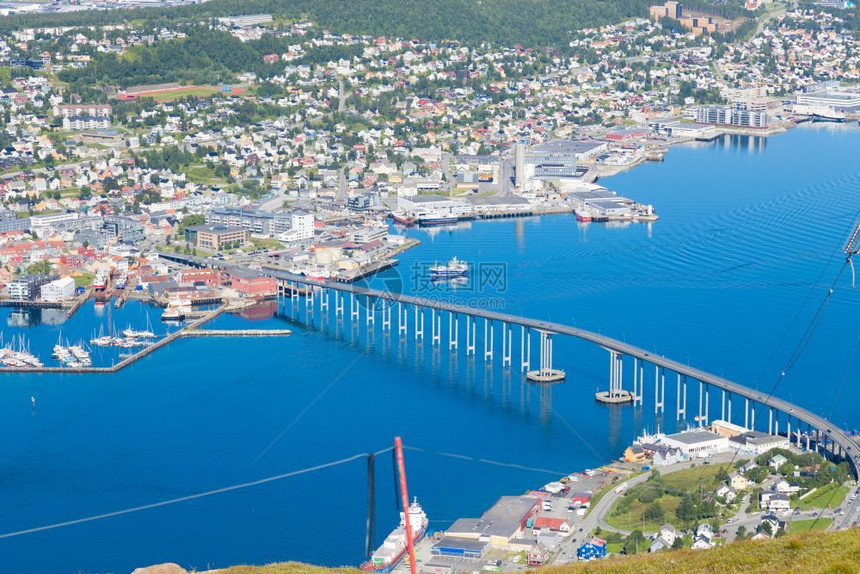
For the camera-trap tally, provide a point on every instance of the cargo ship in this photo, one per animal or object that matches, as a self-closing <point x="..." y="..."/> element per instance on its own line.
<point x="100" y="281"/>
<point x="402" y="218"/>
<point x="388" y="556"/>
<point x="437" y="218"/>
<point x="453" y="270"/>
<point x="583" y="215"/>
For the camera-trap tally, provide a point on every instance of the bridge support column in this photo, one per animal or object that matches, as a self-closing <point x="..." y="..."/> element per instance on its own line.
<point x="488" y="340"/>
<point x="723" y="407"/>
<point x="635" y="380"/>
<point x="681" y="395"/>
<point x="453" y="330"/>
<point x="788" y="428"/>
<point x="659" y="389"/>
<point x="506" y="344"/>
<point x="470" y="334"/>
<point x="386" y="316"/>
<point x="525" y="348"/>
<point x="730" y="408"/>
<point x="436" y="327"/>
<point x="798" y="433"/>
<point x="641" y="384"/>
<point x="371" y="311"/>
<point x="701" y="396"/>
<point x="616" y="374"/>
<point x="338" y="304"/>
<point x="776" y="423"/>
<point x="545" y="353"/>
<point x="294" y="293"/>
<point x="402" y="319"/>
<point x="324" y="300"/>
<point x="419" y="323"/>
<point x="770" y="420"/>
<point x="353" y="308"/>
<point x="309" y="301"/>
<point x="752" y="417"/>
<point x="707" y="403"/>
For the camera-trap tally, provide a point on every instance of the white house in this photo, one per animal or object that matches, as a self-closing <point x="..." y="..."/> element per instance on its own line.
<point x="59" y="290"/>
<point x="727" y="492"/>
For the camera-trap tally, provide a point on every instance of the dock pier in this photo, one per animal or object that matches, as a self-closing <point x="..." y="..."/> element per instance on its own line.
<point x="191" y="330"/>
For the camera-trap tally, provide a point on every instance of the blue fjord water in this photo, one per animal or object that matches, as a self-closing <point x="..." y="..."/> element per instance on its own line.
<point x="729" y="279"/>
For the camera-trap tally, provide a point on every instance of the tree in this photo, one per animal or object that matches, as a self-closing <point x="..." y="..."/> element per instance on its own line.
<point x="633" y="543"/>
<point x="767" y="528"/>
<point x="678" y="543"/>
<point x="686" y="511"/>
<point x="654" y="513"/>
<point x="742" y="532"/>
<point x="722" y="475"/>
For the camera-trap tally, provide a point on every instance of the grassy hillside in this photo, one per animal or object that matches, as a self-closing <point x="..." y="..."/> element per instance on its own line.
<point x="819" y="552"/>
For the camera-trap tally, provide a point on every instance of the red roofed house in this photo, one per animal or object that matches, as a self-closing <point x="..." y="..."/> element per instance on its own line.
<point x="552" y="524"/>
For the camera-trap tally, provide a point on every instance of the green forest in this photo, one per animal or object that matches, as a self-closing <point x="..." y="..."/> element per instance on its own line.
<point x="526" y="22"/>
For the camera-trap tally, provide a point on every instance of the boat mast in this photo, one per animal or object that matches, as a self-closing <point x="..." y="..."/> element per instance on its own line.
<point x="404" y="495"/>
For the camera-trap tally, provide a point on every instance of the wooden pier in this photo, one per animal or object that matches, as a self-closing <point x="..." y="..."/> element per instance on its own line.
<point x="236" y="333"/>
<point x="191" y="330"/>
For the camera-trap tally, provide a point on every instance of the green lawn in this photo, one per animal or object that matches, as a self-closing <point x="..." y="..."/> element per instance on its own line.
<point x="613" y="547"/>
<point x="632" y="519"/>
<point x="807" y="525"/>
<point x="825" y="497"/>
<point x="201" y="174"/>
<point x="83" y="280"/>
<point x="690" y="479"/>
<point x="267" y="243"/>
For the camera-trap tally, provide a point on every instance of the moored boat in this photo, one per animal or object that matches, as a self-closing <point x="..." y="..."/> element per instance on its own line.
<point x="391" y="552"/>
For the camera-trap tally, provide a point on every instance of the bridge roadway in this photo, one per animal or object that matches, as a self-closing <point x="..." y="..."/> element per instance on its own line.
<point x="833" y="433"/>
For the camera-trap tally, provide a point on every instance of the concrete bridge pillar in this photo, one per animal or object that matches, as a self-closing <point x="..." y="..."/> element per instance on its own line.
<point x="453" y="330"/>
<point x="635" y="380"/>
<point x="338" y="304"/>
<point x="488" y="340"/>
<point x="353" y="308"/>
<point x="419" y="323"/>
<point x="470" y="334"/>
<point x="506" y="344"/>
<point x="723" y="405"/>
<point x="659" y="389"/>
<point x="616" y="374"/>
<point x="371" y="311"/>
<point x="681" y="398"/>
<point x="730" y="408"/>
<point x="436" y="327"/>
<point x="770" y="420"/>
<point x="525" y="348"/>
<point x="324" y="300"/>
<point x="707" y="403"/>
<point x="752" y="417"/>
<point x="545" y="353"/>
<point x="402" y="319"/>
<point x="386" y="316"/>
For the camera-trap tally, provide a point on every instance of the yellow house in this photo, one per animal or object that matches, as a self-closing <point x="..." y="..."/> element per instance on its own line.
<point x="634" y="453"/>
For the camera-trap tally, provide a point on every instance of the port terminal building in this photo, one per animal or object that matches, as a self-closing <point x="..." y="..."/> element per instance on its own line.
<point x="501" y="527"/>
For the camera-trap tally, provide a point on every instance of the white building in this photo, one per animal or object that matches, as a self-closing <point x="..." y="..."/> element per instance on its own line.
<point x="59" y="290"/>
<point x="696" y="442"/>
<point x="301" y="229"/>
<point x="43" y="222"/>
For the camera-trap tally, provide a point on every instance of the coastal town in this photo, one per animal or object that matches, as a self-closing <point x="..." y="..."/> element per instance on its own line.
<point x="304" y="165"/>
<point x="301" y="160"/>
<point x="699" y="488"/>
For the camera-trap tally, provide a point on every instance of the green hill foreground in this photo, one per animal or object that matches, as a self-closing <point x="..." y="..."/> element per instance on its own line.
<point x="811" y="552"/>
